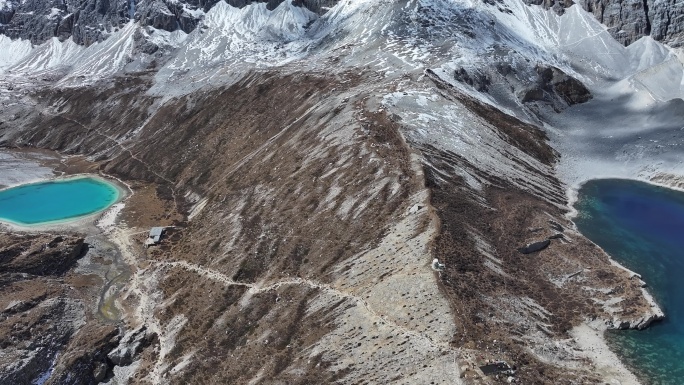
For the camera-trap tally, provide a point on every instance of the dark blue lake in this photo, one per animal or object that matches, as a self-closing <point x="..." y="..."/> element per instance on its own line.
<point x="642" y="227"/>
<point x="59" y="200"/>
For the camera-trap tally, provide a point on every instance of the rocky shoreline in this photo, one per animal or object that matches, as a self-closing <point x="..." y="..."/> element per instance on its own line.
<point x="162" y="313"/>
<point x="654" y="314"/>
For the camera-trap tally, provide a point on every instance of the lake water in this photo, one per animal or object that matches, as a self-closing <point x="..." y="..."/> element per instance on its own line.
<point x="642" y="227"/>
<point x="58" y="200"/>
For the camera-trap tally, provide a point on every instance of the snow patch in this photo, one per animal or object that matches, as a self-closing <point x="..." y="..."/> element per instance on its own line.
<point x="163" y="38"/>
<point x="197" y="208"/>
<point x="49" y="55"/>
<point x="54" y="13"/>
<point x="12" y="51"/>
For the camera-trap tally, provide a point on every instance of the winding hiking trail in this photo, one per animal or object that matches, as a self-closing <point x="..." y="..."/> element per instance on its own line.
<point x="257" y="288"/>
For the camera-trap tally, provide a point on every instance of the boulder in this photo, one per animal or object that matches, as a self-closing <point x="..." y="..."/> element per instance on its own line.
<point x="436" y="265"/>
<point x="479" y="81"/>
<point x="555" y="88"/>
<point x="132" y="343"/>
<point x="571" y="90"/>
<point x="534" y="247"/>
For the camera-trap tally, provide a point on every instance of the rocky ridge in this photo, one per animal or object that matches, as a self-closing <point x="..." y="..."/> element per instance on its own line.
<point x="41" y="313"/>
<point x="90" y="22"/>
<point x="317" y="252"/>
<point x="628" y="21"/>
<point x="94" y="21"/>
<point x="308" y="204"/>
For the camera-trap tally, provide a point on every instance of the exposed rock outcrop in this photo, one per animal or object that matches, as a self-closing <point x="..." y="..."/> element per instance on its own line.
<point x="557" y="6"/>
<point x="635" y="324"/>
<point x="83" y="360"/>
<point x="667" y="21"/>
<point x="534" y="247"/>
<point x="130" y="345"/>
<point x="628" y="21"/>
<point x="556" y="89"/>
<point x="50" y="258"/>
<point x="94" y="20"/>
<point x="478" y="80"/>
<point x="539" y="87"/>
<point x="41" y="313"/>
<point x="7" y="11"/>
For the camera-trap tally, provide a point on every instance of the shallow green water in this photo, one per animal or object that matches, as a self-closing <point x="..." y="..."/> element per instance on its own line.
<point x="642" y="227"/>
<point x="60" y="200"/>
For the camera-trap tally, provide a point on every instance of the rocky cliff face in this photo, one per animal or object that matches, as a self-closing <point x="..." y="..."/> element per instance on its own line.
<point x="94" y="20"/>
<point x="627" y="20"/>
<point x="630" y="20"/>
<point x="86" y="22"/>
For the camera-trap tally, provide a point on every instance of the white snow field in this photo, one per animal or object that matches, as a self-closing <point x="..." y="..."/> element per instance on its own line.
<point x="631" y="128"/>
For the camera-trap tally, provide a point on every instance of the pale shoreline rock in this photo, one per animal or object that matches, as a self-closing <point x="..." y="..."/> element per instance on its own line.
<point x="593" y="346"/>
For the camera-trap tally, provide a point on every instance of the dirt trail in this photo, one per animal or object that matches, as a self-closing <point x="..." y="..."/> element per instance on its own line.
<point x="327" y="289"/>
<point x="119" y="144"/>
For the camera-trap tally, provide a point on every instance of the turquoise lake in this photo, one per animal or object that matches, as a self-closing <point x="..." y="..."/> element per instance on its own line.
<point x="642" y="227"/>
<point x="58" y="200"/>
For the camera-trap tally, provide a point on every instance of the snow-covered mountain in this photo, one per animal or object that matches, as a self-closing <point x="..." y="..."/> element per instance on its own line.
<point x="523" y="58"/>
<point x="315" y="156"/>
<point x="92" y="21"/>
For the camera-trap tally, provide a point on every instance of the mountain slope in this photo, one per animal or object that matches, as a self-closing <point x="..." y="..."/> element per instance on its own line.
<point x="315" y="161"/>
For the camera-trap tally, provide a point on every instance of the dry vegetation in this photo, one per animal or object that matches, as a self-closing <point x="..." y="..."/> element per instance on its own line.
<point x="313" y="227"/>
